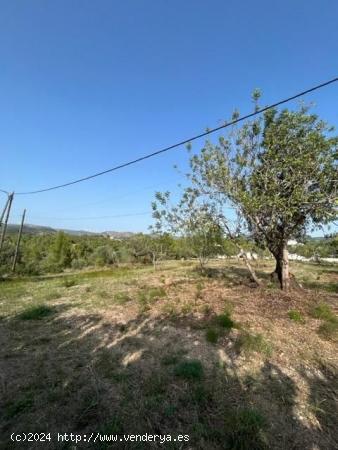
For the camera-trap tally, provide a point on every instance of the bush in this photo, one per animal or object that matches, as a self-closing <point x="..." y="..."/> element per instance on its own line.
<point x="69" y="282"/>
<point x="246" y="430"/>
<point x="224" y="321"/>
<point x="212" y="335"/>
<point x="324" y="312"/>
<point x="104" y="255"/>
<point x="329" y="330"/>
<point x="189" y="370"/>
<point x="121" y="298"/>
<point x="296" y="316"/>
<point x="253" y="343"/>
<point x="36" y="312"/>
<point x="78" y="264"/>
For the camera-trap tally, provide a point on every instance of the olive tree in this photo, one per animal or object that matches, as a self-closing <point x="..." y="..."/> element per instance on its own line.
<point x="280" y="173"/>
<point x="191" y="219"/>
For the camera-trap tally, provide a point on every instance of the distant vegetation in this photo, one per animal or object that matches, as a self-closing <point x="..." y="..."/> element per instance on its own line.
<point x="55" y="252"/>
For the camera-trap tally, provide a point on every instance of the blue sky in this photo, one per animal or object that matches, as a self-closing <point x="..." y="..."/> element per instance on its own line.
<point x="87" y="85"/>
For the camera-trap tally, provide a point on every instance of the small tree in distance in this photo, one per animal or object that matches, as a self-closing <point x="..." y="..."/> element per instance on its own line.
<point x="197" y="222"/>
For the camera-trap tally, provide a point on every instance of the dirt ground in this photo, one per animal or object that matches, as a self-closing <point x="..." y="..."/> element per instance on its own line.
<point x="174" y="351"/>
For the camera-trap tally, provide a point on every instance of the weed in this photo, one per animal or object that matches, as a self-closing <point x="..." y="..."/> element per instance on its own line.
<point x="52" y="295"/>
<point x="22" y="404"/>
<point x="296" y="316"/>
<point x="169" y="309"/>
<point x="187" y="308"/>
<point x="189" y="370"/>
<point x="246" y="430"/>
<point x="103" y="294"/>
<point x="113" y="426"/>
<point x="224" y="321"/>
<point x="36" y="312"/>
<point x="169" y="360"/>
<point x="206" y="309"/>
<point x="212" y="335"/>
<point x="199" y="289"/>
<point x="69" y="282"/>
<point x="329" y="330"/>
<point x="150" y="295"/>
<point x="253" y="343"/>
<point x="323" y="311"/>
<point x="201" y="394"/>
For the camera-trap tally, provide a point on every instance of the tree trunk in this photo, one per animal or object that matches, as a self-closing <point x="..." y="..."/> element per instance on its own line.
<point x="251" y="270"/>
<point x="282" y="267"/>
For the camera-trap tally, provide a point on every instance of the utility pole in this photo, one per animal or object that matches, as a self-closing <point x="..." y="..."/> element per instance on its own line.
<point x="3" y="211"/>
<point x="18" y="241"/>
<point x="3" y="233"/>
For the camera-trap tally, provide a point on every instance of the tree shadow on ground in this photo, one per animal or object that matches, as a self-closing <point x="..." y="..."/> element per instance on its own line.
<point x="83" y="373"/>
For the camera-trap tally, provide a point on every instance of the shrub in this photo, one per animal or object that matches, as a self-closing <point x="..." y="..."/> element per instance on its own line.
<point x="224" y="321"/>
<point x="18" y="406"/>
<point x="329" y="330"/>
<point x="103" y="255"/>
<point x="69" y="282"/>
<point x="170" y="359"/>
<point x="189" y="370"/>
<point x="323" y="311"/>
<point x="246" y="430"/>
<point x="212" y="335"/>
<point x="253" y="343"/>
<point x="296" y="316"/>
<point x="121" y="298"/>
<point x="52" y="295"/>
<point x="36" y="312"/>
<point x="149" y="295"/>
<point x="78" y="264"/>
<point x="103" y="294"/>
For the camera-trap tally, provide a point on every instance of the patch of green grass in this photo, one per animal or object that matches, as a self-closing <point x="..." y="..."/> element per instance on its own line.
<point x="121" y="298"/>
<point x="201" y="394"/>
<point x="329" y="330"/>
<point x="212" y="335"/>
<point x="248" y="343"/>
<point x="169" y="309"/>
<point x="17" y="406"/>
<point x="206" y="309"/>
<point x="52" y="295"/>
<point x="199" y="289"/>
<point x="69" y="282"/>
<point x="149" y="295"/>
<point x="187" y="308"/>
<point x="296" y="316"/>
<point x="155" y="293"/>
<point x="224" y="321"/>
<point x="103" y="294"/>
<point x="189" y="370"/>
<point x="328" y="287"/>
<point x="169" y="360"/>
<point x="174" y="357"/>
<point x="323" y="311"/>
<point x="246" y="430"/>
<point x="36" y="312"/>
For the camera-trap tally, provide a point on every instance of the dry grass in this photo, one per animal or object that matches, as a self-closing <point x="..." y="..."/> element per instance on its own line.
<point x="171" y="351"/>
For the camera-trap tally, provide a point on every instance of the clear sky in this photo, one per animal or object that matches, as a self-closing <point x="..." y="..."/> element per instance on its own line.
<point x="86" y="85"/>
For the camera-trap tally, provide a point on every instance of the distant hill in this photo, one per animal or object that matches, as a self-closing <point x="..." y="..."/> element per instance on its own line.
<point x="40" y="229"/>
<point x="30" y="229"/>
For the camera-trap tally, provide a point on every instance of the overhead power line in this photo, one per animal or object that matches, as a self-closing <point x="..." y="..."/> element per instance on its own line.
<point x="183" y="142"/>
